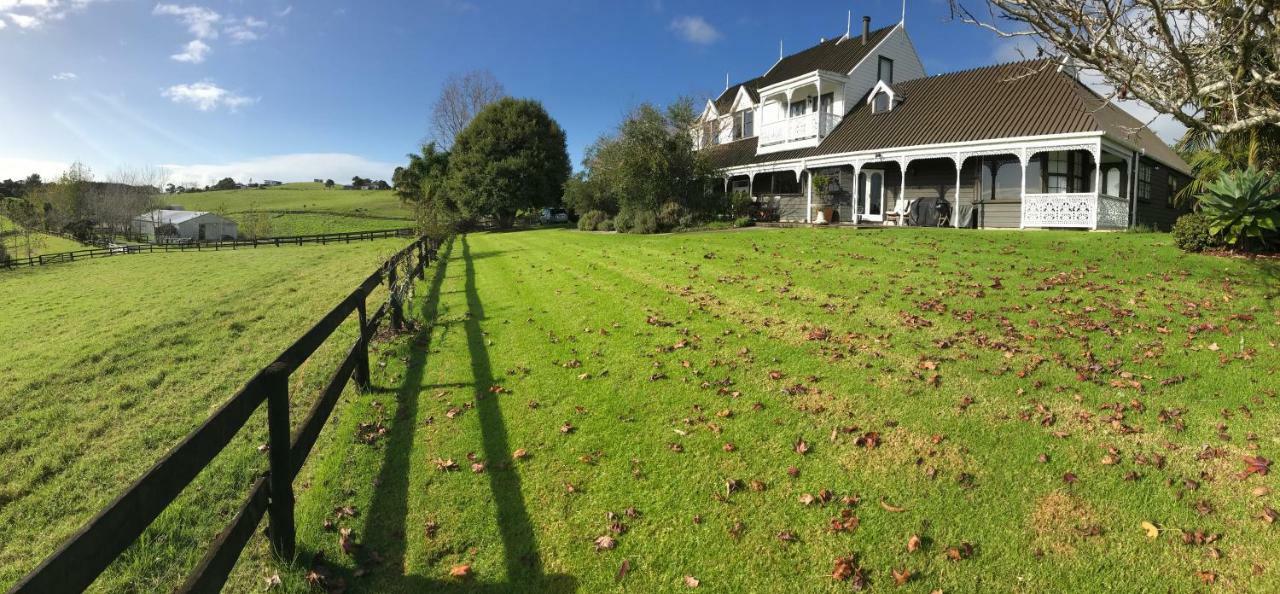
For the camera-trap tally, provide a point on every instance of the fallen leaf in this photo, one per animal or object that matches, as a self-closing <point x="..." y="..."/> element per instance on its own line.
<point x="622" y="570"/>
<point x="460" y="571"/>
<point x="605" y="543"/>
<point x="1151" y="529"/>
<point x="272" y="581"/>
<point x="901" y="576"/>
<point x="889" y="507"/>
<point x="1255" y="465"/>
<point x="801" y="447"/>
<point x="691" y="582"/>
<point x="345" y="541"/>
<point x="520" y="454"/>
<point x="913" y="543"/>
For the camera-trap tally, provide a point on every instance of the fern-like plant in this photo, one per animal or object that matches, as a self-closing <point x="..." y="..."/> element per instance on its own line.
<point x="1242" y="205"/>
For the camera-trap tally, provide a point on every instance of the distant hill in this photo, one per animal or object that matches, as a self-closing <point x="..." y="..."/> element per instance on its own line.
<point x="305" y="208"/>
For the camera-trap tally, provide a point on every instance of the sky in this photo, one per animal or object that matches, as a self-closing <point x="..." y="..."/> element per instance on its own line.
<point x="293" y="90"/>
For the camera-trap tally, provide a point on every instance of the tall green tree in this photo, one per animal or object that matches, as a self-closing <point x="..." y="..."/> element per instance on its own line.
<point x="511" y="157"/>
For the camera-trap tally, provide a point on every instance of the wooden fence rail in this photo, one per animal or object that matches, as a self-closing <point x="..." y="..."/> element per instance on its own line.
<point x="87" y="554"/>
<point x="211" y="246"/>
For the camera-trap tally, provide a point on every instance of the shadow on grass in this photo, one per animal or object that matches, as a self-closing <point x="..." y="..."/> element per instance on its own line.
<point x="389" y="508"/>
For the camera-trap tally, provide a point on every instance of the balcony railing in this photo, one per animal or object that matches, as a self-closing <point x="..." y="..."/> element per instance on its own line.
<point x="797" y="128"/>
<point x="1088" y="210"/>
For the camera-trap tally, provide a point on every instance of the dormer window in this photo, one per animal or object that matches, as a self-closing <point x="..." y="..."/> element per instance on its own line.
<point x="744" y="124"/>
<point x="882" y="103"/>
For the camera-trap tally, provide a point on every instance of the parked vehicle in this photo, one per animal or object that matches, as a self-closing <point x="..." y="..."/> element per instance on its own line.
<point x="553" y="216"/>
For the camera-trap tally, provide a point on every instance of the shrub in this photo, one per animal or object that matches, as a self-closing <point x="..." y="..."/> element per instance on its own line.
<point x="622" y="221"/>
<point x="1191" y="233"/>
<point x="741" y="222"/>
<point x="605" y="225"/>
<point x="643" y="222"/>
<point x="741" y="204"/>
<point x="1242" y="205"/>
<point x="592" y="220"/>
<point x="688" y="221"/>
<point x="670" y="214"/>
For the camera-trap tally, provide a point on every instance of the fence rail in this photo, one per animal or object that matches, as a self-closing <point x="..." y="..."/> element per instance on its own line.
<point x="211" y="246"/>
<point x="83" y="557"/>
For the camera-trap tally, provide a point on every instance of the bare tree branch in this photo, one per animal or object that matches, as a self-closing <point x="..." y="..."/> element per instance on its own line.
<point x="461" y="98"/>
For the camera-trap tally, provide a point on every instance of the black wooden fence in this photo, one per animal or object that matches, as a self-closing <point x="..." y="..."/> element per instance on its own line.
<point x="83" y="557"/>
<point x="209" y="246"/>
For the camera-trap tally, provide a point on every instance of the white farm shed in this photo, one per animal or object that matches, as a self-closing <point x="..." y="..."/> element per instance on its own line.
<point x="190" y="225"/>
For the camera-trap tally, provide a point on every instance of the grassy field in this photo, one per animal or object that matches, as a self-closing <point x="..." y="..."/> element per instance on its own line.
<point x="107" y="364"/>
<point x="42" y="243"/>
<point x="307" y="208"/>
<point x="759" y="410"/>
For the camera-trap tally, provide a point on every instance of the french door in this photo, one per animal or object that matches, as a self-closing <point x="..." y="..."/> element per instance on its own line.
<point x="872" y="195"/>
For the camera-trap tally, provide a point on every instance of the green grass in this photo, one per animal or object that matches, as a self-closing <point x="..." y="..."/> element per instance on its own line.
<point x="306" y="208"/>
<point x="42" y="243"/>
<point x="970" y="354"/>
<point x="107" y="364"/>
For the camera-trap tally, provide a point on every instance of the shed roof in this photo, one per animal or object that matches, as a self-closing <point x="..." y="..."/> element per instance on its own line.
<point x="171" y="217"/>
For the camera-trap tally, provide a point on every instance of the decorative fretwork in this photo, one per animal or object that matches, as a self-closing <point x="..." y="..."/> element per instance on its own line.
<point x="1113" y="212"/>
<point x="1090" y="147"/>
<point x="1059" y="210"/>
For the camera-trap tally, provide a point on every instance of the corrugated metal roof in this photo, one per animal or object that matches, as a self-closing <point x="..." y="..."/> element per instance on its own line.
<point x="1029" y="98"/>
<point x="833" y="55"/>
<point x="170" y="217"/>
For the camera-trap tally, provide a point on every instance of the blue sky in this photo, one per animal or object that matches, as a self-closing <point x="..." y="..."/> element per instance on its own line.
<point x="286" y="89"/>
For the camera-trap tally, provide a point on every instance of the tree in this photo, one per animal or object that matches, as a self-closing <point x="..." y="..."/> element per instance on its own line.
<point x="461" y="98"/>
<point x="328" y="183"/>
<point x="512" y="157"/>
<point x="647" y="163"/>
<point x="1213" y="66"/>
<point x="225" y="183"/>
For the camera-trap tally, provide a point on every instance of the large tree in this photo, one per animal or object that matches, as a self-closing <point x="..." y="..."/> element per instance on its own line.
<point x="511" y="157"/>
<point x="1212" y="65"/>
<point x="461" y="98"/>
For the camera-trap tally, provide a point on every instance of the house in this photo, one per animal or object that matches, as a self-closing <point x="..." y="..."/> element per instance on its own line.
<point x="852" y="130"/>
<point x="187" y="225"/>
<point x="268" y="183"/>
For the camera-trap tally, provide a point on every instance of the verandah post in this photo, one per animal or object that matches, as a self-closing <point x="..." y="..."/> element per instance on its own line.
<point x="280" y="511"/>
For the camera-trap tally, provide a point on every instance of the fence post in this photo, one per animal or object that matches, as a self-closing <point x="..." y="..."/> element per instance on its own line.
<point x="422" y="261"/>
<point x="397" y="314"/>
<point x="362" y="360"/>
<point x="280" y="510"/>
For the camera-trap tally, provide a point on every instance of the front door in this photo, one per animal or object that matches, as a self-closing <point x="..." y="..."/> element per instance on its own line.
<point x="202" y="233"/>
<point x="873" y="195"/>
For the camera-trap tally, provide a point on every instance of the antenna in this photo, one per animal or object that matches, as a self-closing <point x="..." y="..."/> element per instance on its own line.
<point x="726" y="81"/>
<point x="848" y="25"/>
<point x="779" y="49"/>
<point x="904" y="12"/>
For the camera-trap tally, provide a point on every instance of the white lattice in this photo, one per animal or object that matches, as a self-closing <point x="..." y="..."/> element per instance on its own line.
<point x="1059" y="210"/>
<point x="1113" y="212"/>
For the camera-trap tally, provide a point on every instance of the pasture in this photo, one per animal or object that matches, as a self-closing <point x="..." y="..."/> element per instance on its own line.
<point x="810" y="410"/>
<point x="305" y="208"/>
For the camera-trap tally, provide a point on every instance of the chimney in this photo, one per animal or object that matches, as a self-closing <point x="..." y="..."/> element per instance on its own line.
<point x="866" y="29"/>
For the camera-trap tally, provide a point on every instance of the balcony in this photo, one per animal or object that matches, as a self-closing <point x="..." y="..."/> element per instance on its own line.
<point x="810" y="126"/>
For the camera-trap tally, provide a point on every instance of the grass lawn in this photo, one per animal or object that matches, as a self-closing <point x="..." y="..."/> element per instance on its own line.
<point x="42" y="243"/>
<point x="608" y="412"/>
<point x="107" y="364"/>
<point x="307" y="208"/>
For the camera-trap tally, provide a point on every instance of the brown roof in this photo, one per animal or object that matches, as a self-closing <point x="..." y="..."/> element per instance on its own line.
<point x="1028" y="98"/>
<point x="834" y="55"/>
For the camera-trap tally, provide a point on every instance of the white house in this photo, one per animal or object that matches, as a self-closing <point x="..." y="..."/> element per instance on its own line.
<point x="189" y="225"/>
<point x="853" y="130"/>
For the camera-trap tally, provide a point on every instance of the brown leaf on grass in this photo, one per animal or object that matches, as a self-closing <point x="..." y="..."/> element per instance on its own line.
<point x="818" y="334"/>
<point x="461" y="572"/>
<point x="431" y="528"/>
<point x="786" y="536"/>
<point x="793" y="472"/>
<point x="446" y="464"/>
<point x="728" y="446"/>
<point x="731" y="485"/>
<point x="520" y="454"/>
<point x="478" y="467"/>
<point x="273" y="581"/>
<point x="801" y="446"/>
<point x="869" y="440"/>
<point x="1269" y="515"/>
<point x="757" y="485"/>
<point x="1069" y="478"/>
<point x="913" y="543"/>
<point x="1152" y="530"/>
<point x="675" y="447"/>
<point x="1255" y="465"/>
<point x="775" y="375"/>
<point x="807" y="499"/>
<point x="622" y="570"/>
<point x="962" y="551"/>
<point x="497" y="390"/>
<point x="886" y="506"/>
<point x="845" y="567"/>
<point x="605" y="543"/>
<point x="1207" y="577"/>
<point x="901" y="576"/>
<point x="345" y="541"/>
<point x="691" y="582"/>
<point x="567" y="428"/>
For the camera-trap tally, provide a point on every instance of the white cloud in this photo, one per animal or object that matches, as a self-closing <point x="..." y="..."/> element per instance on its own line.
<point x="3" y="24"/>
<point x="695" y="29"/>
<point x="207" y="96"/>
<point x="65" y="76"/>
<point x="193" y="53"/>
<point x="24" y="21"/>
<point x="18" y="168"/>
<point x="245" y="30"/>
<point x="284" y="13"/>
<point x="291" y="167"/>
<point x="200" y="21"/>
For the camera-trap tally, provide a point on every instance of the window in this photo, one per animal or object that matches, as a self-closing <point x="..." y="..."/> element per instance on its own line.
<point x="1056" y="180"/>
<point x="885" y="70"/>
<point x="1144" y="182"/>
<point x="881" y="103"/>
<point x="1001" y="179"/>
<point x="797" y="108"/>
<point x="1170" y="201"/>
<point x="743" y="124"/>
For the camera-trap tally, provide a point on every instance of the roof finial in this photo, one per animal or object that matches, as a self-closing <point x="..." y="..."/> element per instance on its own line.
<point x="726" y="81"/>
<point x="904" y="12"/>
<point x="848" y="25"/>
<point x="779" y="49"/>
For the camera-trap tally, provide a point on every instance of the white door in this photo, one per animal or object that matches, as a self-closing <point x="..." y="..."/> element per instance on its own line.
<point x="873" y="195"/>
